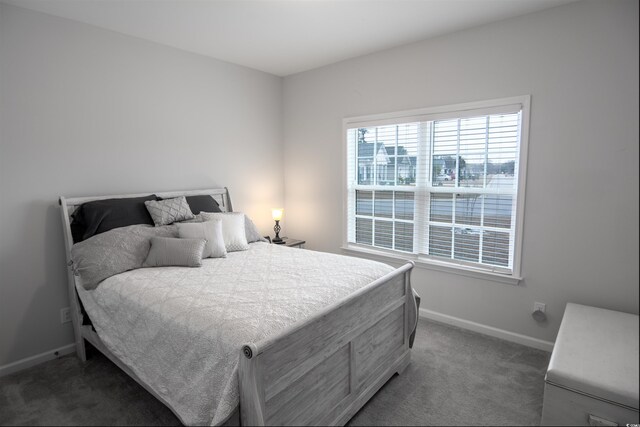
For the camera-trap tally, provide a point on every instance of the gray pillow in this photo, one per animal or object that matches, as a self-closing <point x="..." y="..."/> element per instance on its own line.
<point x="166" y="251"/>
<point x="211" y="231"/>
<point x="253" y="235"/>
<point x="196" y="218"/>
<point x="168" y="211"/>
<point x="114" y="251"/>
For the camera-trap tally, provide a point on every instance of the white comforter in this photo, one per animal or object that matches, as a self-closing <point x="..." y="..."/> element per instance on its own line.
<point x="181" y="329"/>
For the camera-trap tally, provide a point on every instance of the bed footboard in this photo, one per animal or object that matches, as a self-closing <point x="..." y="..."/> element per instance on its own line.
<point x="323" y="370"/>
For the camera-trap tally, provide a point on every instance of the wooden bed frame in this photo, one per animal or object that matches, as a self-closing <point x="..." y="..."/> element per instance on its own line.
<point x="319" y="371"/>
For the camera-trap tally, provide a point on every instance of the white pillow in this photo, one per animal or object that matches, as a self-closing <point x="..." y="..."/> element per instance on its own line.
<point x="233" y="231"/>
<point x="211" y="231"/>
<point x="253" y="235"/>
<point x="250" y="229"/>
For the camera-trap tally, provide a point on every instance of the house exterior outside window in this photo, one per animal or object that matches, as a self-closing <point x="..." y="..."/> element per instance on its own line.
<point x="442" y="186"/>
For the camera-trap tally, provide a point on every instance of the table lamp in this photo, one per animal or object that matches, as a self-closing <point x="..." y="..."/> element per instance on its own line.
<point x="277" y="216"/>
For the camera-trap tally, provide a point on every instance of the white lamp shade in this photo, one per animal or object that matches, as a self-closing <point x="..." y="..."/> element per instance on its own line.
<point x="277" y="214"/>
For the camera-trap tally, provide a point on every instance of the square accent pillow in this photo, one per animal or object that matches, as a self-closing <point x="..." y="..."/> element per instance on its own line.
<point x="168" y="251"/>
<point x="168" y="211"/>
<point x="233" y="229"/>
<point x="211" y="231"/>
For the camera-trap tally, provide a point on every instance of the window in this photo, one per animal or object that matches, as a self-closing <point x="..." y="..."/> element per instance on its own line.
<point x="441" y="185"/>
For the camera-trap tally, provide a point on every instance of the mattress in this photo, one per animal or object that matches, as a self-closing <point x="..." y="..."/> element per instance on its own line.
<point x="180" y="329"/>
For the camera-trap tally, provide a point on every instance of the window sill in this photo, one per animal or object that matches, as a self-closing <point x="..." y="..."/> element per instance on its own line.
<point x="432" y="265"/>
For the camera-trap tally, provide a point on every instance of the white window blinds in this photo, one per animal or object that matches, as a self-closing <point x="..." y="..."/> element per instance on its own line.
<point x="444" y="187"/>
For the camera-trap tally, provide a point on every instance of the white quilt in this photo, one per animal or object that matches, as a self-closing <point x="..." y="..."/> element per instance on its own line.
<point x="181" y="329"/>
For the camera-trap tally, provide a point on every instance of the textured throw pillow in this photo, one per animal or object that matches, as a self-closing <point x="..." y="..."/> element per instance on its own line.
<point x="114" y="251"/>
<point x="196" y="218"/>
<point x="211" y="231"/>
<point x="167" y="251"/>
<point x="169" y="211"/>
<point x="233" y="229"/>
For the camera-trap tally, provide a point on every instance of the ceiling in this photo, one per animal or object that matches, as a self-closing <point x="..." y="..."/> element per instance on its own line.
<point x="284" y="37"/>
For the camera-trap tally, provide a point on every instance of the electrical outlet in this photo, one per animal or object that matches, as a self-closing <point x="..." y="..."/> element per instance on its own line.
<point x="65" y="315"/>
<point x="539" y="306"/>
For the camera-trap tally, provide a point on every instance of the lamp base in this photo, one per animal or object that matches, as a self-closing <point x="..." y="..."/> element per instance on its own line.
<point x="277" y="240"/>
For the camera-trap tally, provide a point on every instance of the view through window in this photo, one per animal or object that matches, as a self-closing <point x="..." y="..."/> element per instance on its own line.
<point x="444" y="188"/>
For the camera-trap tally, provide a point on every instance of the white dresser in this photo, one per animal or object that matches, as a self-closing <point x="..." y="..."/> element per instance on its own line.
<point x="592" y="377"/>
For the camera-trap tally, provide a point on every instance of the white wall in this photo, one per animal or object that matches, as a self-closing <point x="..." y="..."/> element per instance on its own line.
<point x="580" y="64"/>
<point x="85" y="111"/>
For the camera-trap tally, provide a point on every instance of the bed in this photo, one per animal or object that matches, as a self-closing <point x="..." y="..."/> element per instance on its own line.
<point x="266" y="336"/>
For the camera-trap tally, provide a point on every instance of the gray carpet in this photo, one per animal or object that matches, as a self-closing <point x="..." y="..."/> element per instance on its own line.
<point x="456" y="377"/>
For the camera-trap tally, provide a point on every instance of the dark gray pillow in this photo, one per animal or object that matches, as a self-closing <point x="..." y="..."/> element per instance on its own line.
<point x="96" y="217"/>
<point x="203" y="204"/>
<point x="167" y="251"/>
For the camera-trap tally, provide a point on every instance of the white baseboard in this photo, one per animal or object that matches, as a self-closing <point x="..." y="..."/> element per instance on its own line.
<point x="429" y="314"/>
<point x="487" y="330"/>
<point x="28" y="362"/>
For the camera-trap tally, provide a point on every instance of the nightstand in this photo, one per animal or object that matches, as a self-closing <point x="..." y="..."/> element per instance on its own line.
<point x="292" y="243"/>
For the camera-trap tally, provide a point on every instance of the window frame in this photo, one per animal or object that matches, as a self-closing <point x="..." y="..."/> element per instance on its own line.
<point x="469" y="109"/>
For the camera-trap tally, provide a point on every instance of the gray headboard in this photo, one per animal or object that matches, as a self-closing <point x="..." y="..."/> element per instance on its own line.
<point x="69" y="205"/>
